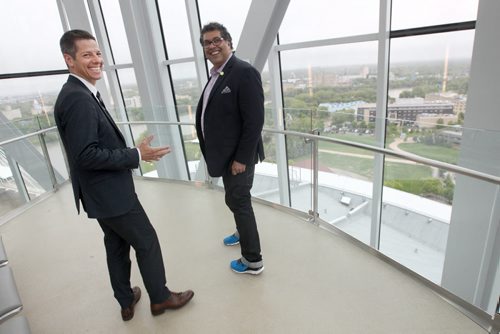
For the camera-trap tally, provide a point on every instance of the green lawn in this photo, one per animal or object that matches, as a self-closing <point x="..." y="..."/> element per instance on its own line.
<point x="364" y="167"/>
<point x="367" y="140"/>
<point x="435" y="152"/>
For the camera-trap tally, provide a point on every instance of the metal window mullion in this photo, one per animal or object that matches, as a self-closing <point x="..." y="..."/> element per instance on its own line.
<point x="380" y="124"/>
<point x="194" y="29"/>
<point x="328" y="42"/>
<point x="110" y="68"/>
<point x="277" y="103"/>
<point x="201" y="72"/>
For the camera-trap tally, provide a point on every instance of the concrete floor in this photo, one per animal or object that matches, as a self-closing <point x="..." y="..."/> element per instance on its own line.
<point x="314" y="281"/>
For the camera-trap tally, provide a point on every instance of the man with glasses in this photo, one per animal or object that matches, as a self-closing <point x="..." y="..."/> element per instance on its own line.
<point x="229" y="121"/>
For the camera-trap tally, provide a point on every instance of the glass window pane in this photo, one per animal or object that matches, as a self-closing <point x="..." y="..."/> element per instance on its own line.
<point x="322" y="19"/>
<point x="345" y="188"/>
<point x="411" y="14"/>
<point x="300" y="172"/>
<point x="30" y="39"/>
<point x="324" y="93"/>
<point x="131" y="96"/>
<point x="415" y="221"/>
<point x="428" y="80"/>
<point x="116" y="31"/>
<point x="187" y="93"/>
<point x="175" y="28"/>
<point x="232" y="14"/>
<point x="333" y="82"/>
<point x="265" y="184"/>
<point x="55" y="149"/>
<point x="428" y="94"/>
<point x="10" y="196"/>
<point x="186" y="85"/>
<point x="27" y="104"/>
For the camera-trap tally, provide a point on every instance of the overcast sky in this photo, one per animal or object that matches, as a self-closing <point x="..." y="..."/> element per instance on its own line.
<point x="31" y="30"/>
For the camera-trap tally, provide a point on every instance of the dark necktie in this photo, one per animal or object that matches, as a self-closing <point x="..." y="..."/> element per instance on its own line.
<point x="101" y="102"/>
<point x="99" y="98"/>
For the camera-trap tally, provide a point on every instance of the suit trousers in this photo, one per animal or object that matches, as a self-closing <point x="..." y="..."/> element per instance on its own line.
<point x="239" y="201"/>
<point x="134" y="229"/>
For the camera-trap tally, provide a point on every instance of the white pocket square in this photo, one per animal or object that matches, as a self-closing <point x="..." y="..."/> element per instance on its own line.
<point x="226" y="90"/>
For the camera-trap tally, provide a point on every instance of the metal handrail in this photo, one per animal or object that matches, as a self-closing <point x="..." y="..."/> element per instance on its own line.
<point x="403" y="155"/>
<point x="29" y="135"/>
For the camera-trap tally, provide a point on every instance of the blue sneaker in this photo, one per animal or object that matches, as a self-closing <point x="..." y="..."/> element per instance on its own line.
<point x="231" y="240"/>
<point x="240" y="268"/>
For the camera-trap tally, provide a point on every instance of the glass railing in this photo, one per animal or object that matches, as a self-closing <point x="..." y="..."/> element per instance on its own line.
<point x="30" y="165"/>
<point x="330" y="178"/>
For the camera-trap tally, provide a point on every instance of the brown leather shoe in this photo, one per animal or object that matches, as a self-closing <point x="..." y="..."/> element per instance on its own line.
<point x="175" y="301"/>
<point x="128" y="313"/>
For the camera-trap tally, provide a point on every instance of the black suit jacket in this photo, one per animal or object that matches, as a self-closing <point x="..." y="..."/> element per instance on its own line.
<point x="100" y="163"/>
<point x="233" y="119"/>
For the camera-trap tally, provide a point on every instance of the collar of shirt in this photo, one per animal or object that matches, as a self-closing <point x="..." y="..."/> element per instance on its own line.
<point x="218" y="71"/>
<point x="87" y="84"/>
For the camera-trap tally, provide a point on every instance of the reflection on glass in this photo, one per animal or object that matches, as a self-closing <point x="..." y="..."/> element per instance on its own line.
<point x="22" y="25"/>
<point x="328" y="19"/>
<point x="232" y="14"/>
<point x="175" y="28"/>
<point x="116" y="31"/>
<point x="410" y="14"/>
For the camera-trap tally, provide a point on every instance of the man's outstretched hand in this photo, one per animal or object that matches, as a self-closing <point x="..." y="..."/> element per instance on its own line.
<point x="149" y="153"/>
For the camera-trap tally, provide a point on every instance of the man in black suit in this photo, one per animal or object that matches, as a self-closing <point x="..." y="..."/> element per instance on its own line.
<point x="229" y="121"/>
<point x="100" y="167"/>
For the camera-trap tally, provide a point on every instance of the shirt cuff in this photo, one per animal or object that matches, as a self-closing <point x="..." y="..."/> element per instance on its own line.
<point x="139" y="153"/>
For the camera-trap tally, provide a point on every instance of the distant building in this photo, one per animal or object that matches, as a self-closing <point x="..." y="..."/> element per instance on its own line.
<point x="11" y="114"/>
<point x="133" y="102"/>
<point x="407" y="112"/>
<point x="431" y="120"/>
<point x="337" y="106"/>
<point x="450" y="137"/>
<point x="459" y="101"/>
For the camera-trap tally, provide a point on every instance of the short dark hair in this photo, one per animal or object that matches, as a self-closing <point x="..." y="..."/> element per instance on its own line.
<point x="215" y="26"/>
<point x="68" y="39"/>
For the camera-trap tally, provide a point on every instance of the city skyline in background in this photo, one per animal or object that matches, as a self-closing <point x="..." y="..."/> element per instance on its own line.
<point x="177" y="38"/>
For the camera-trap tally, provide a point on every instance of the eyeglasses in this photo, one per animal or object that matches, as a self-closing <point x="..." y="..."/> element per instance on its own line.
<point x="216" y="42"/>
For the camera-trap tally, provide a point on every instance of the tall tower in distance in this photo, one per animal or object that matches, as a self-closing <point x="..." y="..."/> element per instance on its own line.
<point x="309" y="80"/>
<point x="445" y="72"/>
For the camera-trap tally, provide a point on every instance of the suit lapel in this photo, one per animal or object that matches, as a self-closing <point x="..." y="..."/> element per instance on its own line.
<point x="110" y="119"/>
<point x="221" y="78"/>
<point x="80" y="84"/>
